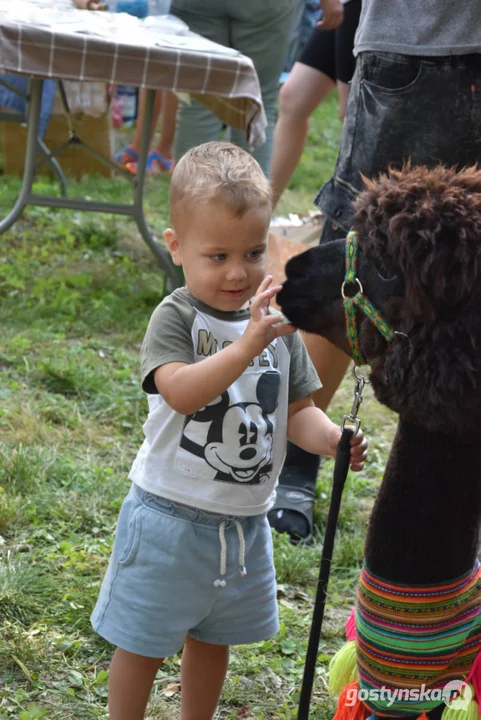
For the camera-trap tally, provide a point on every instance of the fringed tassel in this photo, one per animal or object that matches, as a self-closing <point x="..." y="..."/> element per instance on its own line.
<point x="351" y="625"/>
<point x="474" y="678"/>
<point x="349" y="707"/>
<point x="343" y="668"/>
<point x="467" y="710"/>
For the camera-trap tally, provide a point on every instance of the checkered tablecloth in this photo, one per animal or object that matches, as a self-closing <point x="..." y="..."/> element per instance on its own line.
<point x="54" y="40"/>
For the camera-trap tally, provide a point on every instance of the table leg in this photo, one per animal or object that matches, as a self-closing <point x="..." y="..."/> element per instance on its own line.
<point x="34" y="101"/>
<point x="20" y="118"/>
<point x="174" y="276"/>
<point x="135" y="210"/>
<point x="48" y="157"/>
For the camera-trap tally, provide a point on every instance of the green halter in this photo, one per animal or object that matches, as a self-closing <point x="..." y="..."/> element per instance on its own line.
<point x="359" y="302"/>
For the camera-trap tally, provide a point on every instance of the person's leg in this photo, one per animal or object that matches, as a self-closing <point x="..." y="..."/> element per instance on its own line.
<point x="244" y="611"/>
<point x="125" y="157"/>
<point x="152" y="622"/>
<point x="344" y="46"/>
<point x="292" y="512"/>
<point x="160" y="157"/>
<point x="165" y="144"/>
<point x="261" y="31"/>
<point x="330" y="362"/>
<point x="195" y="123"/>
<point x="203" y="669"/>
<point x="343" y="92"/>
<point x="302" y="92"/>
<point x="130" y="681"/>
<point x="313" y="76"/>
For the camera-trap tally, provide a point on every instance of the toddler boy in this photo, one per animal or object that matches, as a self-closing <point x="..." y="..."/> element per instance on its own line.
<point x="227" y="383"/>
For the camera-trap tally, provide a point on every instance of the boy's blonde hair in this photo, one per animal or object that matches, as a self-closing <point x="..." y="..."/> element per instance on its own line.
<point x="218" y="171"/>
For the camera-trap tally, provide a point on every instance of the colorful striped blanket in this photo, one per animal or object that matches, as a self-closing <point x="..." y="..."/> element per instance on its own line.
<point x="414" y="638"/>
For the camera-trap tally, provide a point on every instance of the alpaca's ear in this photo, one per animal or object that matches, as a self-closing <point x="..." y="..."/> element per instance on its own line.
<point x="438" y="253"/>
<point x="382" y="200"/>
<point x="425" y="226"/>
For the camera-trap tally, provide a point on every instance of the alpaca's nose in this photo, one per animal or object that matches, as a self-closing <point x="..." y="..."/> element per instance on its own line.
<point x="280" y="293"/>
<point x="290" y="288"/>
<point x="296" y="268"/>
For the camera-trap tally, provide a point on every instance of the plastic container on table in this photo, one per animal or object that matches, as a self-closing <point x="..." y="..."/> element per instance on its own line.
<point x="159" y="7"/>
<point x="166" y="24"/>
<point x="137" y="8"/>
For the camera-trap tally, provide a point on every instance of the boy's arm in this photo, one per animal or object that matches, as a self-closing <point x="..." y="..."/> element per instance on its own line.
<point x="187" y="388"/>
<point x="310" y="428"/>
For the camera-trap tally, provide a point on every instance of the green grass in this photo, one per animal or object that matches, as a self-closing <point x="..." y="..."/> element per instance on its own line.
<point x="76" y="293"/>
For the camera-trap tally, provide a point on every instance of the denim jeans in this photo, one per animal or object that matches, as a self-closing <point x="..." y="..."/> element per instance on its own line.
<point x="423" y="109"/>
<point x="258" y="29"/>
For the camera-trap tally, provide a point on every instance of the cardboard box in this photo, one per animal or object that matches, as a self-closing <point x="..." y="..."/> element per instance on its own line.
<point x="74" y="160"/>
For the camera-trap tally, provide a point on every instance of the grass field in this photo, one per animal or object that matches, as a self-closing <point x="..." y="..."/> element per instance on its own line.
<point x="76" y="292"/>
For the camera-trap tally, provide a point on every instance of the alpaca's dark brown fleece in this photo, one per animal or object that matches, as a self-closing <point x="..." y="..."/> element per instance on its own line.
<point x="424" y="226"/>
<point x="420" y="237"/>
<point x="420" y="264"/>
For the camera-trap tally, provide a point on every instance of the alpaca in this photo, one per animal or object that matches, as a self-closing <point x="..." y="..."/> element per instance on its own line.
<point x="418" y="609"/>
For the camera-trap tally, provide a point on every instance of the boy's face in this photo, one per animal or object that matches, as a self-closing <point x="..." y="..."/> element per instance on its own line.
<point x="223" y="257"/>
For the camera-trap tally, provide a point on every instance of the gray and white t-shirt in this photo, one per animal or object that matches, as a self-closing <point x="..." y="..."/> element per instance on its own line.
<point x="226" y="457"/>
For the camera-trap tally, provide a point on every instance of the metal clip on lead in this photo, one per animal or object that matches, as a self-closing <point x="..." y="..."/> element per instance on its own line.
<point x="358" y="388"/>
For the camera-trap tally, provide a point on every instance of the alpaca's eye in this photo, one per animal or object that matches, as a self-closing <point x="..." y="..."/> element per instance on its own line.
<point x="384" y="278"/>
<point x="383" y="273"/>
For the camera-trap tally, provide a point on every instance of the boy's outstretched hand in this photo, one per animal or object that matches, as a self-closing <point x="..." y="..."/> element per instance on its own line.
<point x="358" y="448"/>
<point x="263" y="327"/>
<point x="358" y="451"/>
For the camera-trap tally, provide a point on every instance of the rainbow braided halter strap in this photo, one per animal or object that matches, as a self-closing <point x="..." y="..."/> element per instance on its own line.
<point x="359" y="302"/>
<point x="413" y="637"/>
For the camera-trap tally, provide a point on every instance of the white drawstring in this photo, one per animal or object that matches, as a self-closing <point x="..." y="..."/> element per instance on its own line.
<point x="221" y="582"/>
<point x="242" y="547"/>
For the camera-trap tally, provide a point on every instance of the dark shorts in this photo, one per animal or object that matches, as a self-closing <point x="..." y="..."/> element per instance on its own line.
<point x="330" y="51"/>
<point x="423" y="109"/>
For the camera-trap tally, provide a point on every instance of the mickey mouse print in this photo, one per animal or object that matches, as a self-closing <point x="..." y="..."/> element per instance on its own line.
<point x="225" y="457"/>
<point x="231" y="439"/>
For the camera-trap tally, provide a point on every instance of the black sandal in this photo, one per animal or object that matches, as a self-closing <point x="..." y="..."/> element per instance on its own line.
<point x="292" y="513"/>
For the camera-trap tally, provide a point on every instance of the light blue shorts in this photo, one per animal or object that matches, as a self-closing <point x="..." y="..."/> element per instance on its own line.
<point x="168" y="578"/>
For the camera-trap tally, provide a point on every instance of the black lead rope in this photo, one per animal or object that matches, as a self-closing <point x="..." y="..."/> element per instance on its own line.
<point x="341" y="468"/>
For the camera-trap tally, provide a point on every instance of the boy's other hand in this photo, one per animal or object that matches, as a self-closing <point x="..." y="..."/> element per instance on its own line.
<point x="358" y="451"/>
<point x="263" y="327"/>
<point x="358" y="447"/>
